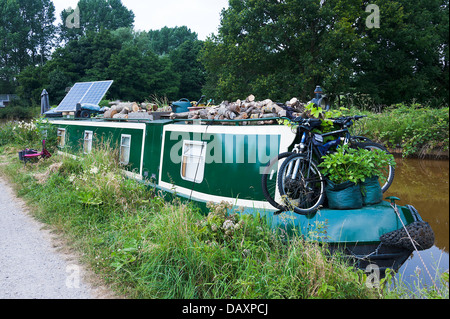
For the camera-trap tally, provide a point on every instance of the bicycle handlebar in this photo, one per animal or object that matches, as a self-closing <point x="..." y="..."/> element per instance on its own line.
<point x="347" y="119"/>
<point x="312" y="122"/>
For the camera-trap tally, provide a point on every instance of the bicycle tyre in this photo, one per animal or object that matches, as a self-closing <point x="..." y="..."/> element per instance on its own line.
<point x="268" y="177"/>
<point x="310" y="191"/>
<point x="388" y="174"/>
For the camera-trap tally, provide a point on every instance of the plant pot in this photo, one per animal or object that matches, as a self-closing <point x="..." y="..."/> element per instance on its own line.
<point x="343" y="196"/>
<point x="371" y="191"/>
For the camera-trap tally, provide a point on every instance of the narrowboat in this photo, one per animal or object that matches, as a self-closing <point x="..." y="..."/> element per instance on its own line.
<point x="207" y="161"/>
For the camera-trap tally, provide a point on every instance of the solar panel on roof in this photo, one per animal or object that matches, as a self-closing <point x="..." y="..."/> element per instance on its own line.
<point x="84" y="92"/>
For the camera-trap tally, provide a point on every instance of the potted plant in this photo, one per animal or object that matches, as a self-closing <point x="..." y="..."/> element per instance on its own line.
<point x="373" y="161"/>
<point x="352" y="177"/>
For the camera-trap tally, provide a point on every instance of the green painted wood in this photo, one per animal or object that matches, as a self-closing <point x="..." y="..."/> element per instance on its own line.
<point x="233" y="164"/>
<point x="104" y="135"/>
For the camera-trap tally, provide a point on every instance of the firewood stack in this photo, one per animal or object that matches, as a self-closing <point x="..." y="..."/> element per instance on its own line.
<point x="237" y="110"/>
<point x="242" y="110"/>
<point x="129" y="110"/>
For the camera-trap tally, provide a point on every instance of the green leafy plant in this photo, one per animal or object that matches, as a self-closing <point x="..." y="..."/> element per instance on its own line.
<point x="354" y="165"/>
<point x="314" y="111"/>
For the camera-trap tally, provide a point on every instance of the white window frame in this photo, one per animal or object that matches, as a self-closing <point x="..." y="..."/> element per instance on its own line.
<point x="193" y="161"/>
<point x="87" y="141"/>
<point x="125" y="148"/>
<point x="61" y="135"/>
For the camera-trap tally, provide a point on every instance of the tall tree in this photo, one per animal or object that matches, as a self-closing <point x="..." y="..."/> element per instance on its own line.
<point x="95" y="15"/>
<point x="122" y="55"/>
<point x="167" y="39"/>
<point x="283" y="48"/>
<point x="192" y="73"/>
<point x="27" y="35"/>
<point x="407" y="57"/>
<point x="139" y="75"/>
<point x="269" y="48"/>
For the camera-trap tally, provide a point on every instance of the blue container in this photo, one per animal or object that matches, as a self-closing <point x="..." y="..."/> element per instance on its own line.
<point x="181" y="106"/>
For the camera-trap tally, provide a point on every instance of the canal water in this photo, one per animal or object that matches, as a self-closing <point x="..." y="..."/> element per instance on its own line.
<point x="425" y="185"/>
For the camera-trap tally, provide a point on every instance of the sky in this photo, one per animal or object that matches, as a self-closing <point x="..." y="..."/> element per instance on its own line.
<point x="201" y="16"/>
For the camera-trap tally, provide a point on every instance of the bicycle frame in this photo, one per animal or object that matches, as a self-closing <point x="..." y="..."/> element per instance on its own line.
<point x="308" y="147"/>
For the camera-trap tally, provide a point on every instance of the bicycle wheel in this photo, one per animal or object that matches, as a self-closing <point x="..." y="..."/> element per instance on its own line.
<point x="301" y="185"/>
<point x="269" y="180"/>
<point x="387" y="173"/>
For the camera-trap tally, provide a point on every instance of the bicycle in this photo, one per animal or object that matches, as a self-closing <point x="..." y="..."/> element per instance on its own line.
<point x="301" y="184"/>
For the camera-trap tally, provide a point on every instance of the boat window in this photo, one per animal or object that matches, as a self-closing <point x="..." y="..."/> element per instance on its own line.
<point x="61" y="137"/>
<point x="125" y="146"/>
<point x="193" y="161"/>
<point x="87" y="146"/>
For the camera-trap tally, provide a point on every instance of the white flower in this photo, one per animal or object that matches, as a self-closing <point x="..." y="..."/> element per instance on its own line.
<point x="228" y="224"/>
<point x="94" y="170"/>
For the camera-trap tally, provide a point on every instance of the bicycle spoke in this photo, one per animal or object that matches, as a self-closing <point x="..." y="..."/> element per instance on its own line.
<point x="302" y="187"/>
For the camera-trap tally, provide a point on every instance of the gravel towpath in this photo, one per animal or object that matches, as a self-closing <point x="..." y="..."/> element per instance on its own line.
<point x="32" y="264"/>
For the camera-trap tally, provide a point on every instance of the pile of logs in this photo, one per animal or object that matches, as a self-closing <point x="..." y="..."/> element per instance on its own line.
<point x="264" y="110"/>
<point x="242" y="110"/>
<point x="129" y="110"/>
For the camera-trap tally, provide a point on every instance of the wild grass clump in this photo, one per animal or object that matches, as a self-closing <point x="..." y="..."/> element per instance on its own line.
<point x="148" y="248"/>
<point x="27" y="134"/>
<point x="227" y="255"/>
<point x="415" y="128"/>
<point x="397" y="288"/>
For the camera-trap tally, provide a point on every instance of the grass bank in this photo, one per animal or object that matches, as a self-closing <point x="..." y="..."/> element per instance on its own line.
<point x="414" y="130"/>
<point x="147" y="248"/>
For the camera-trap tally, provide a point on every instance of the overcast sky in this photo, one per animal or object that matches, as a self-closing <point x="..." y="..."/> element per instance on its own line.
<point x="201" y="16"/>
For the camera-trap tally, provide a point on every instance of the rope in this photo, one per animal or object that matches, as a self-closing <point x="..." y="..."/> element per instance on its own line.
<point x="394" y="206"/>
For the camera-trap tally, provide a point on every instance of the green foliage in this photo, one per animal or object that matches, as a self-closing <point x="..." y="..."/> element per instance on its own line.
<point x="27" y="133"/>
<point x="156" y="76"/>
<point x="166" y="40"/>
<point x="354" y="165"/>
<point x="122" y="55"/>
<point x="27" y="33"/>
<point x="281" y="49"/>
<point x="396" y="288"/>
<point x="417" y="129"/>
<point x="314" y="111"/>
<point x="191" y="72"/>
<point x="18" y="110"/>
<point x="96" y="15"/>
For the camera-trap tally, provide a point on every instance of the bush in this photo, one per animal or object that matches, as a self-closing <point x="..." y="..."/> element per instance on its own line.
<point x="28" y="134"/>
<point x="19" y="110"/>
<point x="415" y="128"/>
